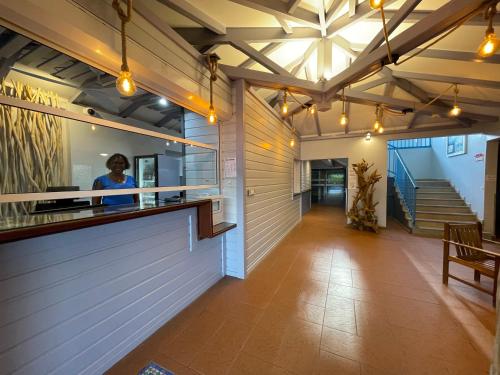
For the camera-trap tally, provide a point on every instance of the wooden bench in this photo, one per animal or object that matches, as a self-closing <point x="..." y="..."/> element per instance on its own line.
<point x="468" y="242"/>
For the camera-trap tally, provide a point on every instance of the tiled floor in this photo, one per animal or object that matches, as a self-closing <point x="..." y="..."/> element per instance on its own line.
<point x="331" y="300"/>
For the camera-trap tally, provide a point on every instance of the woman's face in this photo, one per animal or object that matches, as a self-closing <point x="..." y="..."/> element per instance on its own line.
<point x="117" y="165"/>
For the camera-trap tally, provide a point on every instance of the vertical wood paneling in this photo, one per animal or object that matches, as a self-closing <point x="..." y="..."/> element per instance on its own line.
<point x="232" y="141"/>
<point x="91" y="295"/>
<point x="271" y="212"/>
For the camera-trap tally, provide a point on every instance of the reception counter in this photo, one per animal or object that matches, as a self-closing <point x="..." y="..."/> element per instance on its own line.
<point x="39" y="224"/>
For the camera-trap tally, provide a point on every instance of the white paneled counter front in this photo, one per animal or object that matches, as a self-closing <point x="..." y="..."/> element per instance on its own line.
<point x="77" y="302"/>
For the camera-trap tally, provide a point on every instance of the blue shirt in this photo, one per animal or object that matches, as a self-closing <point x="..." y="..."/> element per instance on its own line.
<point x="108" y="183"/>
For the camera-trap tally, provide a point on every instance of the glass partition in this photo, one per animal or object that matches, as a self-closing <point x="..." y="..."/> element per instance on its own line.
<point x="67" y="133"/>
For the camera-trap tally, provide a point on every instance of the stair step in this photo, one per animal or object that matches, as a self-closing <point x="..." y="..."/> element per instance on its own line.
<point x="438" y="223"/>
<point x="440" y="201"/>
<point x="446" y="195"/>
<point x="434" y="189"/>
<point x="424" y="182"/>
<point x="428" y="232"/>
<point x="444" y="208"/>
<point x="447" y="216"/>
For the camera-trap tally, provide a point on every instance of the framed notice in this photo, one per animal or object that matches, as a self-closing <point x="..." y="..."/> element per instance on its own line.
<point x="456" y="145"/>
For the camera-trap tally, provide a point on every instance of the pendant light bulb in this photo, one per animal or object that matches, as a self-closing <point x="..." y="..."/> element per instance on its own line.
<point x="212" y="116"/>
<point x="376" y="4"/>
<point x="344" y="120"/>
<point x="380" y="129"/>
<point x="312" y="110"/>
<point x="490" y="43"/>
<point x="284" y="107"/>
<point x="125" y="84"/>
<point x="489" y="46"/>
<point x="292" y="142"/>
<point x="455" y="111"/>
<point x="376" y="125"/>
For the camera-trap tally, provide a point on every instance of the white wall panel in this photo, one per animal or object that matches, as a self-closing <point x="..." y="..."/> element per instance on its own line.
<point x="76" y="302"/>
<point x="271" y="212"/>
<point x="232" y="184"/>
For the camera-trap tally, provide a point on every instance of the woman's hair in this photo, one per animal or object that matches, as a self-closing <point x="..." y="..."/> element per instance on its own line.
<point x="115" y="156"/>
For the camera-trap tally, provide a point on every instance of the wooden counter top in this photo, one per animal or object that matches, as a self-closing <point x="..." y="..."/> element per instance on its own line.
<point x="35" y="225"/>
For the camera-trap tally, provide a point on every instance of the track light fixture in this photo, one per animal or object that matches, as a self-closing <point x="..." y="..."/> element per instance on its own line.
<point x="284" y="107"/>
<point x="124" y="83"/>
<point x="212" y="63"/>
<point x="376" y="4"/>
<point x="456" y="110"/>
<point x="377" y="125"/>
<point x="490" y="43"/>
<point x="343" y="120"/>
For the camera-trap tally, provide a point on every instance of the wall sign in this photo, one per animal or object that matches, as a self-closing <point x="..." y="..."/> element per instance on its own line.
<point x="479" y="156"/>
<point x="456" y="145"/>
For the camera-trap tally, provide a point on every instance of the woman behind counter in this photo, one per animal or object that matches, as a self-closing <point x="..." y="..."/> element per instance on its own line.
<point x="115" y="179"/>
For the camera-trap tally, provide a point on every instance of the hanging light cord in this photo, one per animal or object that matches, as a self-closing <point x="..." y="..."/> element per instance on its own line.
<point x="212" y="67"/>
<point x="489" y="14"/>
<point x="124" y="18"/>
<point x="456" y="26"/>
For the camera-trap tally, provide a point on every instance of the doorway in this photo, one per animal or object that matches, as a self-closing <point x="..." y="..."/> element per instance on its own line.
<point x="329" y="182"/>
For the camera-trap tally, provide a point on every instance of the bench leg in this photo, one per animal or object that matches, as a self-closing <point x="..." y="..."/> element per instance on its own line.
<point x="446" y="267"/>
<point x="477" y="275"/>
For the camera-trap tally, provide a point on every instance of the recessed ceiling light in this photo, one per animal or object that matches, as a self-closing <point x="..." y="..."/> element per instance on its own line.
<point x="104" y="155"/>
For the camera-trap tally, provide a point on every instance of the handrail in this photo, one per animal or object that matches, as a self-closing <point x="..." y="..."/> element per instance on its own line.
<point x="412" y="180"/>
<point x="403" y="180"/>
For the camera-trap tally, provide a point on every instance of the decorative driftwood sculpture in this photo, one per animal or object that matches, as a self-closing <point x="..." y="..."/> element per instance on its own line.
<point x="31" y="147"/>
<point x="362" y="212"/>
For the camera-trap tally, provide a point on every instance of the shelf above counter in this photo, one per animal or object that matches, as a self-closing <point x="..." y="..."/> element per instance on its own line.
<point x="35" y="225"/>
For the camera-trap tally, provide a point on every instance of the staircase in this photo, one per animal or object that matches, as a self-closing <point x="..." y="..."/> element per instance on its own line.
<point x="437" y="203"/>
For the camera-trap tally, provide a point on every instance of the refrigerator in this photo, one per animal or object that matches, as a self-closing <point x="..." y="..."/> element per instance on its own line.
<point x="155" y="171"/>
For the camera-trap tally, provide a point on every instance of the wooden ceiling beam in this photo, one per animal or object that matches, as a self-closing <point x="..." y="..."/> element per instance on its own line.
<point x="279" y="8"/>
<point x="433" y="25"/>
<point x="392" y="25"/>
<point x="200" y="36"/>
<point x="363" y="11"/>
<point x="194" y="13"/>
<point x="447" y="79"/>
<point x="271" y="47"/>
<point x="418" y="15"/>
<point x="272" y="81"/>
<point x="284" y="25"/>
<point x="260" y="58"/>
<point x="292" y="5"/>
<point x="365" y="98"/>
<point x="335" y="7"/>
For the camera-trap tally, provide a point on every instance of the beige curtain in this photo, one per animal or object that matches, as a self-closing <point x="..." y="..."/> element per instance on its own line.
<point x="31" y="147"/>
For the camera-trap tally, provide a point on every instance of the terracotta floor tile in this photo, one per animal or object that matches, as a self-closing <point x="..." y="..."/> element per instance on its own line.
<point x="221" y="350"/>
<point x="332" y="300"/>
<point x="187" y="344"/>
<point x="330" y="364"/>
<point x="247" y="364"/>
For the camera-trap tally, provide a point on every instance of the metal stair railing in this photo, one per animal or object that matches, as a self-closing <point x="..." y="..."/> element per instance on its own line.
<point x="404" y="181"/>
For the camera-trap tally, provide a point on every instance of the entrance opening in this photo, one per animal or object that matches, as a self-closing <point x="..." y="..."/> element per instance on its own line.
<point x="329" y="180"/>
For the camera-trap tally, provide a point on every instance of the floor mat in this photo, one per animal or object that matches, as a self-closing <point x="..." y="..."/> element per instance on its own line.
<point x="154" y="369"/>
